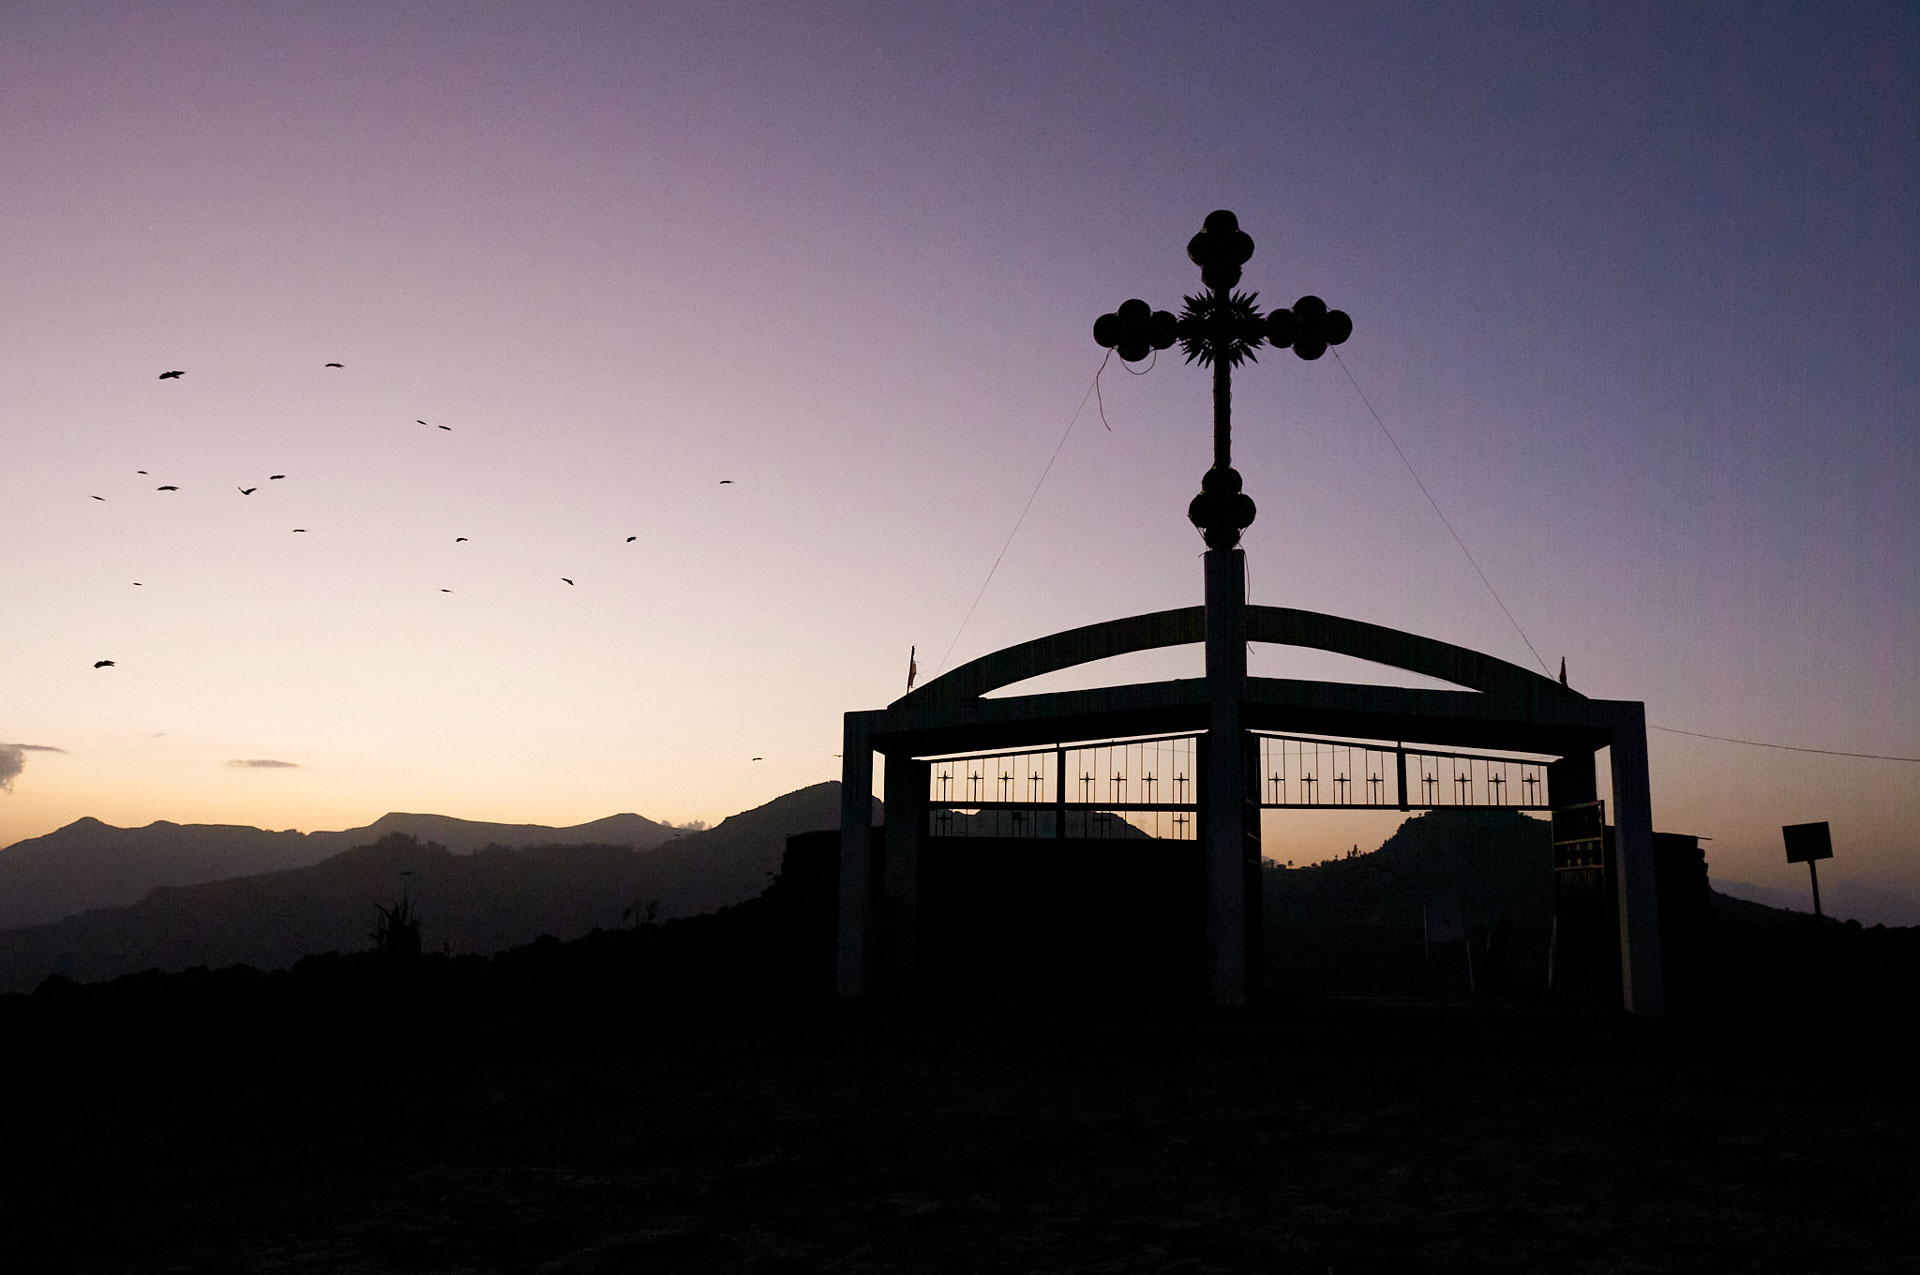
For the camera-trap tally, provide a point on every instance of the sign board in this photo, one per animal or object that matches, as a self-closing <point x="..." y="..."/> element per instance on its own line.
<point x="1579" y="835"/>
<point x="1807" y="842"/>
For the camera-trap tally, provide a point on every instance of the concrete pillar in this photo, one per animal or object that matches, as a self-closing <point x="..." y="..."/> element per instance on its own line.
<point x="856" y="855"/>
<point x="1642" y="988"/>
<point x="1584" y="961"/>
<point x="905" y="797"/>
<point x="1223" y="795"/>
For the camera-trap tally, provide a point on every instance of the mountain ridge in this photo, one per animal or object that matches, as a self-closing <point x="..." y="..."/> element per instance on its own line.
<point x="483" y="900"/>
<point x="93" y="864"/>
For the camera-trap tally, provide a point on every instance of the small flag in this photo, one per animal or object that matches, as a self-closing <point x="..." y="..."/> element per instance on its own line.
<point x="913" y="668"/>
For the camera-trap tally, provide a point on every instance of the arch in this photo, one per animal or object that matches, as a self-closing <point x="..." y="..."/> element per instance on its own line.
<point x="1284" y="626"/>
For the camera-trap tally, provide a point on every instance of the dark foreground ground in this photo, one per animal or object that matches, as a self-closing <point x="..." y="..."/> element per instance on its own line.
<point x="224" y="1122"/>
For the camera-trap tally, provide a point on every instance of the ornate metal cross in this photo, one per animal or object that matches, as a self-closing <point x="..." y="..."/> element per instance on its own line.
<point x="1218" y="328"/>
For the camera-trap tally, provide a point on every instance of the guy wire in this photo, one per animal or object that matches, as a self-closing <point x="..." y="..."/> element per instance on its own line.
<point x="1443" y="517"/>
<point x="1671" y="730"/>
<point x="1058" y="447"/>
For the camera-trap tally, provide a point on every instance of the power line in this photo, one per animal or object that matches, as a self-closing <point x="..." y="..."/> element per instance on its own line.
<point x="1443" y="516"/>
<point x="1791" y="748"/>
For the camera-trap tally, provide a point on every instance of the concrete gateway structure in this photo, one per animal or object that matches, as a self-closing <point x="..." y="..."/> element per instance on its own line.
<point x="1004" y="786"/>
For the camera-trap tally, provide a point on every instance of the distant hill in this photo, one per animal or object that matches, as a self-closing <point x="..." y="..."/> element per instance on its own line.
<point x="1398" y="920"/>
<point x="1452" y="867"/>
<point x="481" y="901"/>
<point x="1731" y="907"/>
<point x="90" y="864"/>
<point x="1439" y="878"/>
<point x="1844" y="898"/>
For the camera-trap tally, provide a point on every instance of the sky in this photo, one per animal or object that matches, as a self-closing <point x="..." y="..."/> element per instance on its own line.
<point x="1633" y="288"/>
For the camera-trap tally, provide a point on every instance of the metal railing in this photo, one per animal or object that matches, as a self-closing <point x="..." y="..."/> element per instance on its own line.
<point x="1299" y="772"/>
<point x="1150" y="787"/>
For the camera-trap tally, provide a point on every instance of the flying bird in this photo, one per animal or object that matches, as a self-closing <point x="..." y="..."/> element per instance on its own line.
<point x="298" y="530"/>
<point x="725" y="481"/>
<point x="103" y="663"/>
<point x="759" y="759"/>
<point x="168" y="487"/>
<point x="458" y="539"/>
<point x="446" y="590"/>
<point x="448" y="428"/>
<point x="568" y="581"/>
<point x="417" y="421"/>
<point x="271" y="477"/>
<point x="136" y="584"/>
<point x="101" y="498"/>
<point x="333" y="365"/>
<point x="248" y="491"/>
<point x="630" y="539"/>
<point x="171" y="376"/>
<point x="139" y="471"/>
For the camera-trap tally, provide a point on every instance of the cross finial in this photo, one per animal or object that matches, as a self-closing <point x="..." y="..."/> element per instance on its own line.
<point x="1220" y="328"/>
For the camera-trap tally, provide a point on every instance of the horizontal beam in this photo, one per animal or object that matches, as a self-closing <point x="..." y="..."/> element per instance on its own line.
<point x="1042" y="807"/>
<point x="1069" y="806"/>
<point x="1286" y="626"/>
<point x="1390" y="805"/>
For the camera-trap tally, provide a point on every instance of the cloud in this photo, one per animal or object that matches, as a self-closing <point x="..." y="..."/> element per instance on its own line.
<point x="13" y="760"/>
<point x="264" y="763"/>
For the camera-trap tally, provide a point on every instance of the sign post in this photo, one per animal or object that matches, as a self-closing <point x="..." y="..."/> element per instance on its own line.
<point x="1807" y="843"/>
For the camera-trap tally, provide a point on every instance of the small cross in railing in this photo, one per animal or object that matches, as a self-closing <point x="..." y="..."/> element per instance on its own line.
<point x="946" y="779"/>
<point x="1340" y="790"/>
<point x="973" y="785"/>
<point x="1034" y="782"/>
<point x="1496" y="783"/>
<point x="1432" y="786"/>
<point x="1147" y="781"/>
<point x="1376" y="789"/>
<point x="1180" y="789"/>
<point x="1274" y="782"/>
<point x="1086" y="787"/>
<point x="1307" y="782"/>
<point x="1220" y="328"/>
<point x="1118" y="790"/>
<point x="1465" y="782"/>
<point x="1006" y="786"/>
<point x="1531" y="783"/>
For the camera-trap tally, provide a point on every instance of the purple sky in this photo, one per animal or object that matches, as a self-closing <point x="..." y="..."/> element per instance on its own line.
<point x="1634" y="287"/>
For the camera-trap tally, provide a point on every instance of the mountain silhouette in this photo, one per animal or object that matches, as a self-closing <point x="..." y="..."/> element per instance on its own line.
<point x="1477" y="865"/>
<point x="90" y="864"/>
<point x="483" y="900"/>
